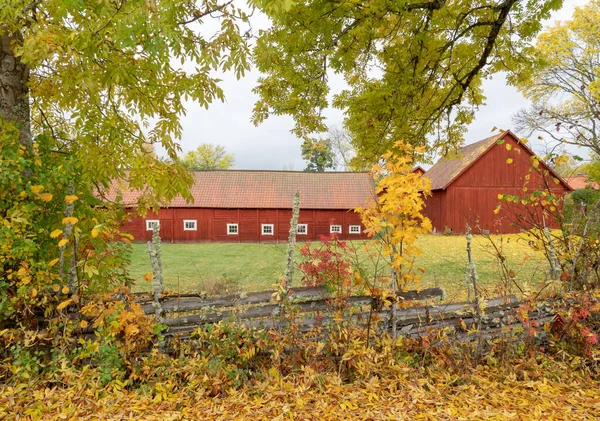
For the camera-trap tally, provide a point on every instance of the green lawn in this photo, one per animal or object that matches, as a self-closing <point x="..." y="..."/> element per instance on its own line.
<point x="216" y="268"/>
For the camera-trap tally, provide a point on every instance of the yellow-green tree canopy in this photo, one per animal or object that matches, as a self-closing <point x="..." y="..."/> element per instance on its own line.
<point x="107" y="78"/>
<point x="414" y="69"/>
<point x="565" y="84"/>
<point x="208" y="157"/>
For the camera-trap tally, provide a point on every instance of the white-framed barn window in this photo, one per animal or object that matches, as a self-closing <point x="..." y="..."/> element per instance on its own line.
<point x="302" y="229"/>
<point x="335" y="229"/>
<point x="354" y="229"/>
<point x="190" y="225"/>
<point x="151" y="223"/>
<point x="267" y="229"/>
<point x="232" y="229"/>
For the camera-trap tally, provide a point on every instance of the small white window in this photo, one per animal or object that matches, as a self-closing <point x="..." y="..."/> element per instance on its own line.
<point x="151" y="223"/>
<point x="267" y="229"/>
<point x="189" y="225"/>
<point x="232" y="229"/>
<point x="302" y="229"/>
<point x="335" y="229"/>
<point x="354" y="229"/>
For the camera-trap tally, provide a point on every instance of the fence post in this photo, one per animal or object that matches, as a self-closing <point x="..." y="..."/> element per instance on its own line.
<point x="288" y="275"/>
<point x="471" y="270"/>
<point x="157" y="279"/>
<point x="291" y="251"/>
<point x="554" y="265"/>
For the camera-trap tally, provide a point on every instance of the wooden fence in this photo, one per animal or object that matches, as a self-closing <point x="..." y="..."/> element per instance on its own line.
<point x="312" y="306"/>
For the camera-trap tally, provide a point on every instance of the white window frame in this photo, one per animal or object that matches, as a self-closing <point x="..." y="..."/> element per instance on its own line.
<point x="237" y="229"/>
<point x="354" y="232"/>
<point x="332" y="229"/>
<point x="263" y="226"/>
<point x="150" y="224"/>
<point x="305" y="229"/>
<point x="194" y="228"/>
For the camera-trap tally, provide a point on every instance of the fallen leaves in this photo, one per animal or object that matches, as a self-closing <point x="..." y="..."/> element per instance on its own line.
<point x="557" y="393"/>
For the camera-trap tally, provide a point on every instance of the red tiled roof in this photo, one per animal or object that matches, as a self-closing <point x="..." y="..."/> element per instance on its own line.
<point x="269" y="189"/>
<point x="581" y="182"/>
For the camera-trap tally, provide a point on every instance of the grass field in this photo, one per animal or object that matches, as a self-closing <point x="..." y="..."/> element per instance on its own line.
<point x="213" y="267"/>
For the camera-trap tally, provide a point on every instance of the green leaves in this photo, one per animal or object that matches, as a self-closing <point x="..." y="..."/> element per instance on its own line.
<point x="413" y="69"/>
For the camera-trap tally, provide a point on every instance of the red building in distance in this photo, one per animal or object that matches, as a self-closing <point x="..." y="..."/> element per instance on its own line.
<point x="256" y="206"/>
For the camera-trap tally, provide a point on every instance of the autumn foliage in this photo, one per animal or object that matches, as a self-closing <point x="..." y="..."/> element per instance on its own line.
<point x="396" y="217"/>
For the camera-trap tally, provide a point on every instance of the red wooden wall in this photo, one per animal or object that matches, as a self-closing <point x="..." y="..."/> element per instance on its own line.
<point x="212" y="224"/>
<point x="473" y="196"/>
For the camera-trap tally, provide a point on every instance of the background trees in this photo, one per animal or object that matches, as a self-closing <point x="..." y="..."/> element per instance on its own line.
<point x="208" y="157"/>
<point x="414" y="69"/>
<point x="565" y="84"/>
<point x="318" y="154"/>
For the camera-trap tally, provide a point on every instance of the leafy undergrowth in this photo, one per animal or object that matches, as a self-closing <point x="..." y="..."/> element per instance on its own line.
<point x="534" y="390"/>
<point x="230" y="372"/>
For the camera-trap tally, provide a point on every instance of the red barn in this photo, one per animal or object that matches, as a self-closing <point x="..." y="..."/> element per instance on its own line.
<point x="465" y="185"/>
<point x="256" y="206"/>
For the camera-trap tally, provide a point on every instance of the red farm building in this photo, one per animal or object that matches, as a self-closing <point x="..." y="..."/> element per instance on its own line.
<point x="256" y="206"/>
<point x="465" y="186"/>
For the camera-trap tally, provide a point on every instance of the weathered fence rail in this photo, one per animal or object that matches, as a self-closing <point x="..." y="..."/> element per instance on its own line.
<point x="186" y="312"/>
<point x="313" y="306"/>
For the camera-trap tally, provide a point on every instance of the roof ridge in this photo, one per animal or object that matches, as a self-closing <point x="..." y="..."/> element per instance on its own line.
<point x="284" y="171"/>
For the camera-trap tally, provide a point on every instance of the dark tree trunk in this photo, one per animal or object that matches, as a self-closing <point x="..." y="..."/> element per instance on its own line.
<point x="14" y="94"/>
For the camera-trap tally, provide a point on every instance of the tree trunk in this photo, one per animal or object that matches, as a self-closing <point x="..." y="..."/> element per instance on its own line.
<point x="14" y="93"/>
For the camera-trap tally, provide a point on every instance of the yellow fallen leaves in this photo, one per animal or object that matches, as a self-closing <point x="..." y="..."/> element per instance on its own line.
<point x="46" y="197"/>
<point x="70" y="198"/>
<point x="485" y="393"/>
<point x="63" y="242"/>
<point x="56" y="233"/>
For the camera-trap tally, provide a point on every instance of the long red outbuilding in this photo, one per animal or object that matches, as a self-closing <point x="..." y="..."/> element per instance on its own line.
<point x="256" y="206"/>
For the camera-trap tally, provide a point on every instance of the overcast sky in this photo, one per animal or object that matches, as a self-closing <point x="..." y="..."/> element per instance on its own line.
<point x="272" y="146"/>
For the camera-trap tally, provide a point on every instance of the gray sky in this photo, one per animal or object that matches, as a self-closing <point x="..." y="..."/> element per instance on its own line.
<point x="272" y="145"/>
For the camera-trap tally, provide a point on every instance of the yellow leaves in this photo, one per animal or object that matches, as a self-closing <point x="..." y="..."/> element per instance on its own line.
<point x="500" y="196"/>
<point x="83" y="324"/>
<point x="53" y="262"/>
<point x="70" y="220"/>
<point x="497" y="210"/>
<point x="46" y="197"/>
<point x="56" y="233"/>
<point x="63" y="242"/>
<point x="509" y="160"/>
<point x="535" y="162"/>
<point x="64" y="304"/>
<point x="148" y="277"/>
<point x="37" y="189"/>
<point x="95" y="232"/>
<point x="70" y="198"/>
<point x="508" y="146"/>
<point x="65" y="290"/>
